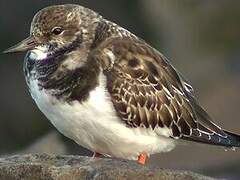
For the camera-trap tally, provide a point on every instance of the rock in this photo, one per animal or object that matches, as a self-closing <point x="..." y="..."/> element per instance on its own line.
<point x="55" y="167"/>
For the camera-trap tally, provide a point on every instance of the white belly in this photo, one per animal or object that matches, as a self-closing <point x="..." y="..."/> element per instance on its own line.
<point x="94" y="125"/>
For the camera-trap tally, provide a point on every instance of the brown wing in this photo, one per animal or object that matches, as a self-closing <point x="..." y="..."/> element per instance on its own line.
<point x="146" y="91"/>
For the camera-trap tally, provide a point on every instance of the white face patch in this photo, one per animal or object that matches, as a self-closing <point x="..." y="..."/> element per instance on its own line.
<point x="39" y="53"/>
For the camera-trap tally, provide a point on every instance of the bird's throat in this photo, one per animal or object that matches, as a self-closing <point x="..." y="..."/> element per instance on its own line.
<point x="63" y="80"/>
<point x="39" y="53"/>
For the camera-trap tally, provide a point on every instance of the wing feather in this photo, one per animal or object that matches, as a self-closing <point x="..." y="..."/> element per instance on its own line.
<point x="148" y="92"/>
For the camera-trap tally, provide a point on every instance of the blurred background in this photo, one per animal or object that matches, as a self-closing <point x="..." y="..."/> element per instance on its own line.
<point x="200" y="37"/>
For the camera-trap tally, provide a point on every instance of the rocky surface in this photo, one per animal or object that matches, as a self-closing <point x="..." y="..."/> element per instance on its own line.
<point x="54" y="167"/>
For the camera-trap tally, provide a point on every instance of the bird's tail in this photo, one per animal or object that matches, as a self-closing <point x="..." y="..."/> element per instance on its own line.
<point x="233" y="138"/>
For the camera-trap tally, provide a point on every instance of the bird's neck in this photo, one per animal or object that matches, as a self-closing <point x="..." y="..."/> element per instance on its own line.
<point x="67" y="77"/>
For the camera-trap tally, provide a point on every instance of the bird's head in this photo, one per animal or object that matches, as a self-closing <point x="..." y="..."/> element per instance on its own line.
<point x="58" y="29"/>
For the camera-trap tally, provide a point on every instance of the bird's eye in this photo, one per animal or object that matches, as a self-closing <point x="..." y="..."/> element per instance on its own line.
<point x="57" y="30"/>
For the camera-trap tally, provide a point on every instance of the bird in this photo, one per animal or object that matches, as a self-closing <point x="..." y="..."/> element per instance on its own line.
<point x="109" y="90"/>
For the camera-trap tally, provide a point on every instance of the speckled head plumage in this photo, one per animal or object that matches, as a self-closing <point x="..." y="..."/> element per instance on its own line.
<point x="58" y="26"/>
<point x="63" y="23"/>
<point x="56" y="22"/>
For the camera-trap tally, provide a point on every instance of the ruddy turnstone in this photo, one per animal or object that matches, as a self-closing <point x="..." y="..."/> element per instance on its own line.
<point x="109" y="90"/>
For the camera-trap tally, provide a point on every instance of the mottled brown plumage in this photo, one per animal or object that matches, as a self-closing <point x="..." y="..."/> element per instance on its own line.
<point x="148" y="92"/>
<point x="108" y="90"/>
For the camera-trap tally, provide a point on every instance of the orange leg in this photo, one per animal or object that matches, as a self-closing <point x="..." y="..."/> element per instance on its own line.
<point x="96" y="155"/>
<point x="142" y="158"/>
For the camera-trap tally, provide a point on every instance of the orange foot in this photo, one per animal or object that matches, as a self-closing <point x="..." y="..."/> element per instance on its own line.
<point x="96" y="155"/>
<point x="142" y="158"/>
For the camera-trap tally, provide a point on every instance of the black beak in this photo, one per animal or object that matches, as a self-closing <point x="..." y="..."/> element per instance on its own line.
<point x="25" y="45"/>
